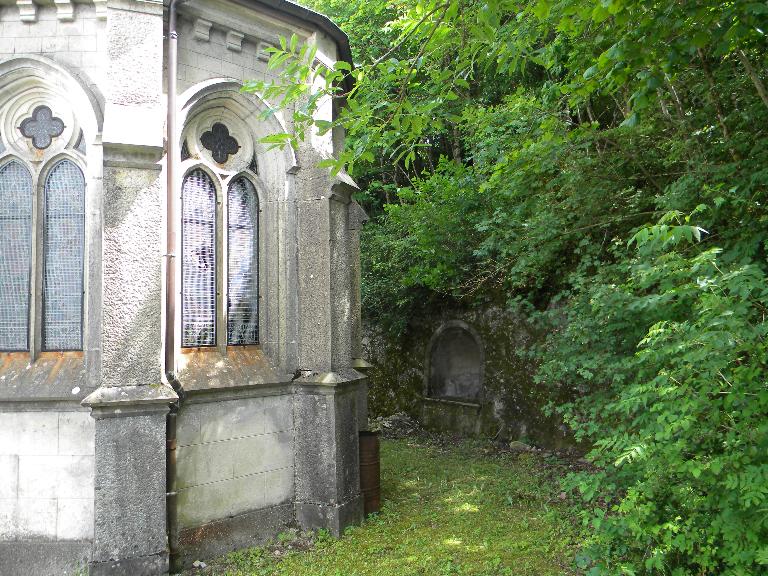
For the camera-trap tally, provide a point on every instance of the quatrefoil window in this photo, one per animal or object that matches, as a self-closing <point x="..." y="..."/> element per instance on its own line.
<point x="219" y="142"/>
<point x="42" y="127"/>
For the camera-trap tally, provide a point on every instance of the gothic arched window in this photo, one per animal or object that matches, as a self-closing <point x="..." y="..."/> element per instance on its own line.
<point x="243" y="263"/>
<point x="198" y="240"/>
<point x="15" y="254"/>
<point x="63" y="252"/>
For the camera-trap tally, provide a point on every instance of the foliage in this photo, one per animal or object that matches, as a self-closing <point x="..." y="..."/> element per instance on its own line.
<point x="448" y="510"/>
<point x="674" y="358"/>
<point x="602" y="164"/>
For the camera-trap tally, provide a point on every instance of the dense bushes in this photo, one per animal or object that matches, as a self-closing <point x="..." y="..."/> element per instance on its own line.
<point x="602" y="165"/>
<point x="672" y="357"/>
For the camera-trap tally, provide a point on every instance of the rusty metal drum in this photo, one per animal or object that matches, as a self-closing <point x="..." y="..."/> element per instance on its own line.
<point x="370" y="477"/>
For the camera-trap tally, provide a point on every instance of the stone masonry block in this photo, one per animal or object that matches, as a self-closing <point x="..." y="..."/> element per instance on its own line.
<point x="262" y="453"/>
<point x="55" y="477"/>
<point x="44" y="28"/>
<point x="278" y="413"/>
<point x="201" y="504"/>
<point x="75" y="477"/>
<point x="69" y="28"/>
<point x="72" y="59"/>
<point x="9" y="476"/>
<point x="38" y="476"/>
<point x="36" y="519"/>
<point x="232" y="419"/>
<point x="17" y="29"/>
<point x="246" y="493"/>
<point x="76" y="434"/>
<point x="82" y="43"/>
<point x="203" y="464"/>
<point x="29" y="433"/>
<point x="188" y="426"/>
<point x="7" y="518"/>
<point x="29" y="45"/>
<point x="55" y="44"/>
<point x="74" y="519"/>
<point x="195" y="74"/>
<point x="278" y="486"/>
<point x="92" y="25"/>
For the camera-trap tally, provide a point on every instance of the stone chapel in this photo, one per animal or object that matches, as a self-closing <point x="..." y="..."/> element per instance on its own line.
<point x="180" y="365"/>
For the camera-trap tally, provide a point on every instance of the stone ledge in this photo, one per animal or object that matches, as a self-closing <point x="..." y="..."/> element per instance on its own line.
<point x="340" y="381"/>
<point x="240" y="372"/>
<point x="109" y="401"/>
<point x="53" y="377"/>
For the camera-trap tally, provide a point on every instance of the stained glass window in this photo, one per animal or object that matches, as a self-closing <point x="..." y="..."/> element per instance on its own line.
<point x="219" y="142"/>
<point x="42" y="127"/>
<point x="242" y="265"/>
<point x="15" y="254"/>
<point x="198" y="239"/>
<point x="63" y="246"/>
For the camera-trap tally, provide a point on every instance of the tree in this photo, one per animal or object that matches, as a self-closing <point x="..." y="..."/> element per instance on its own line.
<point x="601" y="164"/>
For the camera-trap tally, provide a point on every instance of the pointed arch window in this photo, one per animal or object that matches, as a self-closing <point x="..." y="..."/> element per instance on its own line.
<point x="243" y="263"/>
<point x="63" y="254"/>
<point x="198" y="239"/>
<point x="15" y="255"/>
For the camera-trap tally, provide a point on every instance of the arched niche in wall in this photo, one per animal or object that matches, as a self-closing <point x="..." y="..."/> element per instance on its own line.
<point x="455" y="363"/>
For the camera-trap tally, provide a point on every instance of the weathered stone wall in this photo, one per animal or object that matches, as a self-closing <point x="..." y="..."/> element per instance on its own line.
<point x="55" y="54"/>
<point x="233" y="457"/>
<point x="90" y="488"/>
<point x="46" y="487"/>
<point x="78" y="43"/>
<point x="512" y="404"/>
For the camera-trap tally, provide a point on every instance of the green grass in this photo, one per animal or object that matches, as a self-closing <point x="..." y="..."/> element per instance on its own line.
<point x="455" y="509"/>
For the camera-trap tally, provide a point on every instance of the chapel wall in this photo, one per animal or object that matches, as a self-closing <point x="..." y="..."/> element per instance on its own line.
<point x="234" y="457"/>
<point x="46" y="489"/>
<point x="47" y="453"/>
<point x="203" y="56"/>
<point x="79" y="44"/>
<point x="239" y="448"/>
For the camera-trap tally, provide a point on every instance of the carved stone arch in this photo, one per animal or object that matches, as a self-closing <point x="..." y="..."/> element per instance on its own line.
<point x="222" y="100"/>
<point x="29" y="82"/>
<point x="455" y="363"/>
<point x="70" y="155"/>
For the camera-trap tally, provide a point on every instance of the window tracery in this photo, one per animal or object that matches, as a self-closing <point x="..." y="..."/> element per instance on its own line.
<point x="243" y="263"/>
<point x="16" y="251"/>
<point x="42" y="217"/>
<point x="42" y="127"/>
<point x="219" y="142"/>
<point x="220" y="230"/>
<point x="63" y="247"/>
<point x="198" y="243"/>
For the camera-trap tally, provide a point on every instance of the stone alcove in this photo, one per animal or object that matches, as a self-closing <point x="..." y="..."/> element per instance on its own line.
<point x="454" y="363"/>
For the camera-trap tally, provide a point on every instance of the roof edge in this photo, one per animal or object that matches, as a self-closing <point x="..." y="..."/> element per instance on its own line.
<point x="307" y="15"/>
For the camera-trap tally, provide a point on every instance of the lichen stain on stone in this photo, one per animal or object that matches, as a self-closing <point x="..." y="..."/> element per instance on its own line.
<point x="513" y="404"/>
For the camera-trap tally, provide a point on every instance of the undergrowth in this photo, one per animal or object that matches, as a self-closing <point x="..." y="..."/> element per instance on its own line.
<point x="449" y="508"/>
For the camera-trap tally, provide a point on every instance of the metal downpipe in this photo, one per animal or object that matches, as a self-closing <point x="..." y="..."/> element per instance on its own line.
<point x="171" y="157"/>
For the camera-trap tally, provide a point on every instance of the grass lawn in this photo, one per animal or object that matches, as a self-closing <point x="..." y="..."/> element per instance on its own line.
<point x="450" y="508"/>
